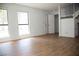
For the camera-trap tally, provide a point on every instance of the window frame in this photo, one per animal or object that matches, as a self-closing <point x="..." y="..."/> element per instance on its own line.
<point x="23" y="24"/>
<point x="7" y="18"/>
<point x="27" y="16"/>
<point x="3" y="25"/>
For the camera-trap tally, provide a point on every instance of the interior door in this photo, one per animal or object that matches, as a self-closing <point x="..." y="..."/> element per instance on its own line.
<point x="78" y="29"/>
<point x="51" y="23"/>
<point x="56" y="23"/>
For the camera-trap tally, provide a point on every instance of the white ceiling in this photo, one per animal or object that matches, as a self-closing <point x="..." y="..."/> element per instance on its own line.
<point x="43" y="6"/>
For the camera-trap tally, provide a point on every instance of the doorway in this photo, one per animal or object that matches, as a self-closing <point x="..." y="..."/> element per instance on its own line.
<point x="56" y="25"/>
<point x="78" y="29"/>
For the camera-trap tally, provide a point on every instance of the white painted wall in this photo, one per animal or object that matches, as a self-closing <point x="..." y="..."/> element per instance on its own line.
<point x="37" y="23"/>
<point x="67" y="27"/>
<point x="13" y="22"/>
<point x="37" y="19"/>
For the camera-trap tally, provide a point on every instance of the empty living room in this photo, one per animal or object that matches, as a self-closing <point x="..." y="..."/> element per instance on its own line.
<point x="39" y="29"/>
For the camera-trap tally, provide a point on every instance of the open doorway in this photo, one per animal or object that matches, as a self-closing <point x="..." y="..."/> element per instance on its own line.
<point x="77" y="26"/>
<point x="56" y="25"/>
<point x="78" y="29"/>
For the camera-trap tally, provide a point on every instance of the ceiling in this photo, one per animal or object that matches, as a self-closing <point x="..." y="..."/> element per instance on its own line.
<point x="42" y="6"/>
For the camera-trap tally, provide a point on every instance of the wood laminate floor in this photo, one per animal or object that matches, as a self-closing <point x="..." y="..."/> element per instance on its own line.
<point x="47" y="45"/>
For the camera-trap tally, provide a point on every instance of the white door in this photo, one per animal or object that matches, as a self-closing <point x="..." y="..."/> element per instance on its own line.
<point x="51" y="23"/>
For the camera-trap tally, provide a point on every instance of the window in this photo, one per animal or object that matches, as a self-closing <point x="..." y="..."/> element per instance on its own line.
<point x="3" y="24"/>
<point x="23" y="23"/>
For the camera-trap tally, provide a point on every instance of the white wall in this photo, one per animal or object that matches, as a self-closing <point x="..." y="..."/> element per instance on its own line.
<point x="37" y="19"/>
<point x="37" y="23"/>
<point x="67" y="27"/>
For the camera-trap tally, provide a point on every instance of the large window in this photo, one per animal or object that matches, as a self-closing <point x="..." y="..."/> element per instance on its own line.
<point x="3" y="24"/>
<point x="23" y="23"/>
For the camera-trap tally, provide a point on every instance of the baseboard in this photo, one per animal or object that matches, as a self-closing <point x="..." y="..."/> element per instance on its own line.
<point x="50" y="33"/>
<point x="19" y="38"/>
<point x="39" y="35"/>
<point x="65" y="37"/>
<point x="14" y="39"/>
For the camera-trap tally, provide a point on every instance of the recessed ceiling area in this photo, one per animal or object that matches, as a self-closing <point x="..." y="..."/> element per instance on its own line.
<point x="42" y="6"/>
